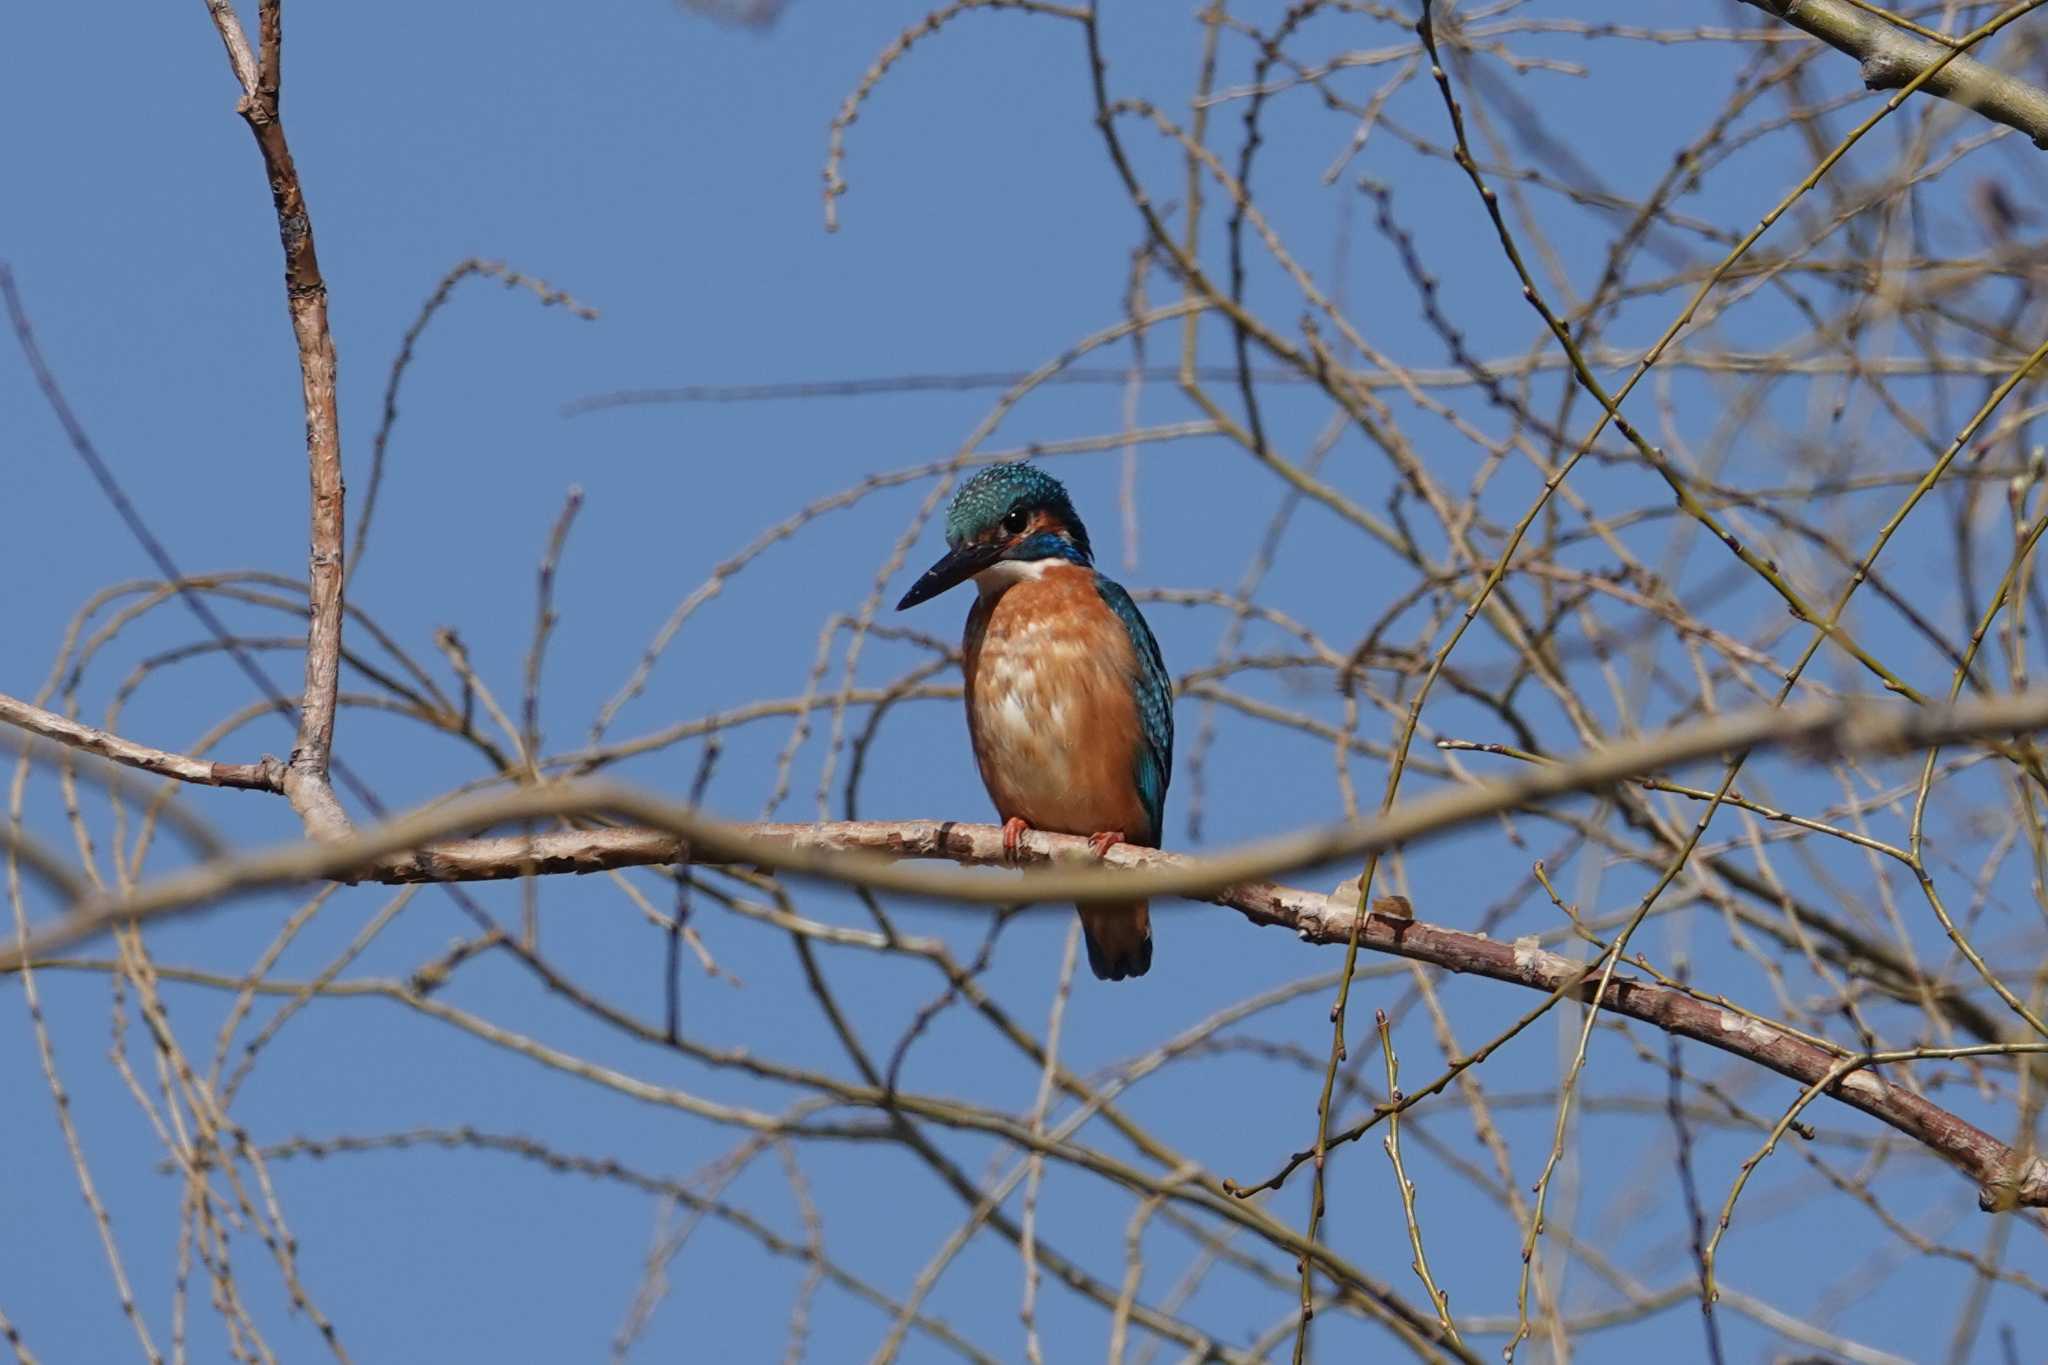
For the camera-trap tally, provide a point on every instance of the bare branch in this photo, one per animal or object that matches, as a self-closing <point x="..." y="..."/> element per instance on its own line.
<point x="403" y="851"/>
<point x="1892" y="57"/>
<point x="264" y="775"/>
<point x="406" y="849"/>
<point x="2004" y="1178"/>
<point x="1536" y="607"/>
<point x="306" y="780"/>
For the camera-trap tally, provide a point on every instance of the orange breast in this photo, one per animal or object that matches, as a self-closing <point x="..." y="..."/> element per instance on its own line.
<point x="1050" y="706"/>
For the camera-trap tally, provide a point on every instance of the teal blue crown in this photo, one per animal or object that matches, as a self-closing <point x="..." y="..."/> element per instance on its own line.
<point x="1001" y="489"/>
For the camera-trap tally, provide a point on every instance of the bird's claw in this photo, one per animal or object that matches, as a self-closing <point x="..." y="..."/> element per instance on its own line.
<point x="1013" y="838"/>
<point x="1100" y="844"/>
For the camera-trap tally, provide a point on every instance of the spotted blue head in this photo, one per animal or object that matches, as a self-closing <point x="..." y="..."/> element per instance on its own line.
<point x="1008" y="513"/>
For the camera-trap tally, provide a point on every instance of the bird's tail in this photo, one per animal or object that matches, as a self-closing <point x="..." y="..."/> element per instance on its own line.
<point x="1119" y="935"/>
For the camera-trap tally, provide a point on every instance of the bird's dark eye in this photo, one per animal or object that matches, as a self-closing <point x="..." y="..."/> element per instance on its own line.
<point x="1017" y="521"/>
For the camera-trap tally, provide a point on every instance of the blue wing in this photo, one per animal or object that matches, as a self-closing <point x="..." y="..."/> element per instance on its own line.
<point x="1155" y="705"/>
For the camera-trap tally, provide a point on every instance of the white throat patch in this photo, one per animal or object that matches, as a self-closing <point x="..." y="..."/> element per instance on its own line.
<point x="1007" y="573"/>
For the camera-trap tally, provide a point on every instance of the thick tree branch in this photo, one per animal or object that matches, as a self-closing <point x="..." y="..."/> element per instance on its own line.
<point x="1892" y="57"/>
<point x="413" y="848"/>
<point x="417" y="848"/>
<point x="2004" y="1178"/>
<point x="306" y="780"/>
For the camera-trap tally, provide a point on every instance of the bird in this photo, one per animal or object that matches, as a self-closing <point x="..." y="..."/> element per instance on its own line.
<point x="1069" y="704"/>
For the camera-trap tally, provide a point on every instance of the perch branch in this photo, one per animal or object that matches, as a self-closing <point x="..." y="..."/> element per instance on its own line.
<point x="418" y="847"/>
<point x="2004" y="1178"/>
<point x="415" y="848"/>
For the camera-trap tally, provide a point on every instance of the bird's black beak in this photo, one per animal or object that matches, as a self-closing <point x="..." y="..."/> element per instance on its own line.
<point x="960" y="563"/>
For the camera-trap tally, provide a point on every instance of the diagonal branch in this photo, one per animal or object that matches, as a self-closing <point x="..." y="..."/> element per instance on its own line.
<point x="414" y="848"/>
<point x="1892" y="57"/>
<point x="864" y="853"/>
<point x="265" y="775"/>
<point x="2005" y="1178"/>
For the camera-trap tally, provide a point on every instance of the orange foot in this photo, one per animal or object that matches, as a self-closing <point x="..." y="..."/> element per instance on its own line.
<point x="1102" y="843"/>
<point x="1013" y="838"/>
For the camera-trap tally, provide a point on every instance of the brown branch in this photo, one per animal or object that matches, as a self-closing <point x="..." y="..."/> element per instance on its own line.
<point x="1892" y="57"/>
<point x="2004" y="1178"/>
<point x="265" y="775"/>
<point x="306" y="780"/>
<point x="863" y="852"/>
<point x="412" y="848"/>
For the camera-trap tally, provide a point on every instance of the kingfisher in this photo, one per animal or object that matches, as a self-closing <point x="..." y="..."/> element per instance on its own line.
<point x="1069" y="705"/>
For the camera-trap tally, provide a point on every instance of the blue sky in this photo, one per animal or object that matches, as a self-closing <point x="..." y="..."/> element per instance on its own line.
<point x="668" y="172"/>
